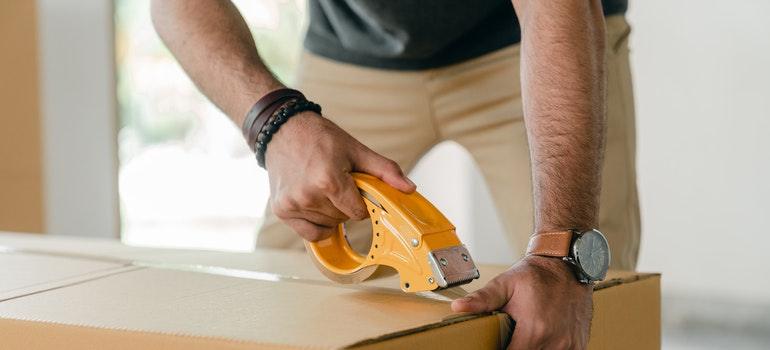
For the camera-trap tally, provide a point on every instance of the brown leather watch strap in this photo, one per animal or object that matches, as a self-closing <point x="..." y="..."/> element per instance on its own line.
<point x="556" y="244"/>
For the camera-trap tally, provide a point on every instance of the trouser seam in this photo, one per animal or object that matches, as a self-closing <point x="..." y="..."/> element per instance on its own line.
<point x="632" y="238"/>
<point x="429" y="100"/>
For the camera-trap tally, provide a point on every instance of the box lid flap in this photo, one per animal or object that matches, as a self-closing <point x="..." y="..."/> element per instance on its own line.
<point x="25" y="273"/>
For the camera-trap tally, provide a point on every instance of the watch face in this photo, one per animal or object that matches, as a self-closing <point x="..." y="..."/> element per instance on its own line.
<point x="592" y="254"/>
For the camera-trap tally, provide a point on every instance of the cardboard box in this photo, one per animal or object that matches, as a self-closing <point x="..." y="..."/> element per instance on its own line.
<point x="58" y="293"/>
<point x="21" y="134"/>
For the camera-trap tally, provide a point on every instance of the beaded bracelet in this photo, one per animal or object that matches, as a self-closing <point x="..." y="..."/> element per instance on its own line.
<point x="275" y="122"/>
<point x="264" y="108"/>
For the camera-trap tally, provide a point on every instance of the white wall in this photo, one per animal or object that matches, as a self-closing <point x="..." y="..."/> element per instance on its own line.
<point x="447" y="176"/>
<point x="79" y="122"/>
<point x="702" y="76"/>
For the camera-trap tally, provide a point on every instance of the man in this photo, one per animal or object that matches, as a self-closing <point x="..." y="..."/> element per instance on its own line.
<point x="396" y="77"/>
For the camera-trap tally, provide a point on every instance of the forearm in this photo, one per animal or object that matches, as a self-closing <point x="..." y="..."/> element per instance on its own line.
<point x="213" y="44"/>
<point x="563" y="92"/>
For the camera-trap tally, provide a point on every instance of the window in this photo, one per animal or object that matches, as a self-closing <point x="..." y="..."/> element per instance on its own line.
<point x="187" y="178"/>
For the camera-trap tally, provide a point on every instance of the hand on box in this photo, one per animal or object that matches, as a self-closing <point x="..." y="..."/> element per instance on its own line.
<point x="309" y="162"/>
<point x="552" y="310"/>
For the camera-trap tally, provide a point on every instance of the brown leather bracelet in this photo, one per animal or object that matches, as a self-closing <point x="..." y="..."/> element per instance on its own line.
<point x="264" y="117"/>
<point x="263" y="109"/>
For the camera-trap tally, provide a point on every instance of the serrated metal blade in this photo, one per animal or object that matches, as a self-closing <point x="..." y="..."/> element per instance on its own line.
<point x="447" y="294"/>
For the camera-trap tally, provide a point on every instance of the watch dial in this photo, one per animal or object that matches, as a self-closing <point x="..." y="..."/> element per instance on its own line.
<point x="593" y="254"/>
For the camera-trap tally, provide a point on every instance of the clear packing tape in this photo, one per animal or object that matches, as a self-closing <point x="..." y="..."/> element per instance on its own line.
<point x="446" y="295"/>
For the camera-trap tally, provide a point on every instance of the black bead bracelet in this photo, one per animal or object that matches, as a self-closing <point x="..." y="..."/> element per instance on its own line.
<point x="279" y="118"/>
<point x="262" y="110"/>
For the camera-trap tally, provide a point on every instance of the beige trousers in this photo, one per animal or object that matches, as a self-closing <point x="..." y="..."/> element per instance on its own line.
<point x="477" y="103"/>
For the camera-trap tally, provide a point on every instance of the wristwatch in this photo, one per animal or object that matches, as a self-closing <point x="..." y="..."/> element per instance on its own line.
<point x="586" y="251"/>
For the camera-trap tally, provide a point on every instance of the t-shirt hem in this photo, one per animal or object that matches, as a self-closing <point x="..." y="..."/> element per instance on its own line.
<point x="321" y="47"/>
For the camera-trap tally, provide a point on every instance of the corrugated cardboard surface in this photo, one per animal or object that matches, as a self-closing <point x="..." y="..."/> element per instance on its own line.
<point x="26" y="270"/>
<point x="279" y="262"/>
<point x="246" y="304"/>
<point x="627" y="314"/>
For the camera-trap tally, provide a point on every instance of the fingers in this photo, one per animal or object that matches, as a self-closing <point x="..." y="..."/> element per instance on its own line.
<point x="348" y="200"/>
<point x="319" y="218"/>
<point x="534" y="334"/>
<point x="492" y="297"/>
<point x="525" y="338"/>
<point x="385" y="169"/>
<point x="315" y="209"/>
<point x="312" y="189"/>
<point x="550" y="313"/>
<point x="312" y="217"/>
<point x="308" y="230"/>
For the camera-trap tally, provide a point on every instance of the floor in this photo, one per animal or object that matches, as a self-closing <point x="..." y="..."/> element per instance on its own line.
<point x="704" y="339"/>
<point x="713" y="323"/>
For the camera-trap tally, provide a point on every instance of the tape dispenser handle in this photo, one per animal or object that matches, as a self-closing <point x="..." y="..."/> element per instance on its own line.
<point x="405" y="227"/>
<point x="334" y="254"/>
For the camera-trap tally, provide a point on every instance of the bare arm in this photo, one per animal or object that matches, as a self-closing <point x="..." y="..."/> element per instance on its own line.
<point x="309" y="159"/>
<point x="562" y="69"/>
<point x="213" y="44"/>
<point x="563" y="78"/>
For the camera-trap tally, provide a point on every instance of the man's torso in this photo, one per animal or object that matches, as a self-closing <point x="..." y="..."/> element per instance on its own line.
<point x="414" y="34"/>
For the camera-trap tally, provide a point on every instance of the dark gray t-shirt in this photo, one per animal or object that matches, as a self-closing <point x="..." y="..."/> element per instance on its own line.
<point x="414" y="34"/>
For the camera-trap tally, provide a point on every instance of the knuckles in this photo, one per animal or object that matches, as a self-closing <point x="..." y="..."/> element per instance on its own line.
<point x="360" y="213"/>
<point x="327" y="184"/>
<point x="563" y="342"/>
<point x="544" y="334"/>
<point x="540" y="328"/>
<point x="285" y="204"/>
<point x="281" y="207"/>
<point x="392" y="166"/>
<point x="303" y="200"/>
<point x="313" y="235"/>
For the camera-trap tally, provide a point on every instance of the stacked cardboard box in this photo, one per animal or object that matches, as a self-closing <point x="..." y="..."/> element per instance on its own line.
<point x="58" y="293"/>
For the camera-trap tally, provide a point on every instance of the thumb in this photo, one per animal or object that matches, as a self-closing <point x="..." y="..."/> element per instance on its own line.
<point x="492" y="297"/>
<point x="370" y="162"/>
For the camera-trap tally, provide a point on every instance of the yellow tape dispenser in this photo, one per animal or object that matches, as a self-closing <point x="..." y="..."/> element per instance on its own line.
<point x="408" y="234"/>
